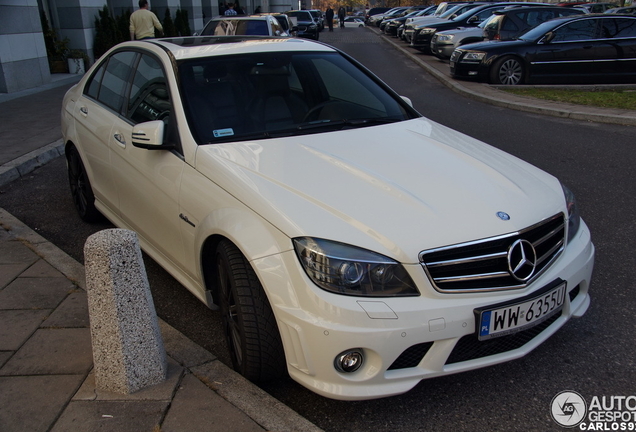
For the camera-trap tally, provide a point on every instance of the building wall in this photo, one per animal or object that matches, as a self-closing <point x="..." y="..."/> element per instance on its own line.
<point x="23" y="60"/>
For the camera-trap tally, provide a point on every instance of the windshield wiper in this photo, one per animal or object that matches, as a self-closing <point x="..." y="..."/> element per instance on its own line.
<point x="328" y="124"/>
<point x="306" y="128"/>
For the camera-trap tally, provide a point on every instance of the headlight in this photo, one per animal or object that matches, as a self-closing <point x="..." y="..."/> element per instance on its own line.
<point x="444" y="38"/>
<point x="473" y="57"/>
<point x="427" y="30"/>
<point x="344" y="269"/>
<point x="574" y="217"/>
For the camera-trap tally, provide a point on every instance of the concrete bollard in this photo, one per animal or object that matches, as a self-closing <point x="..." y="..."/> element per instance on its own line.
<point x="128" y="350"/>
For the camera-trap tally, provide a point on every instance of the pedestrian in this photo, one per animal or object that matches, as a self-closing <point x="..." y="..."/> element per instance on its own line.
<point x="230" y="10"/>
<point x="143" y="23"/>
<point x="329" y="17"/>
<point x="342" y="13"/>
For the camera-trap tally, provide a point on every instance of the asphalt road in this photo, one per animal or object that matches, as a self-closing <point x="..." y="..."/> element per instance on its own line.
<point x="593" y="355"/>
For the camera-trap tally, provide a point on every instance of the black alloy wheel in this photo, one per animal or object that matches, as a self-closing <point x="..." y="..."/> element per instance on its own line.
<point x="507" y="71"/>
<point x="81" y="190"/>
<point x="248" y="320"/>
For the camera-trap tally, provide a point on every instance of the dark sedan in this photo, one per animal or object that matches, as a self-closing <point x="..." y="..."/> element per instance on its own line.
<point x="583" y="48"/>
<point x="305" y="26"/>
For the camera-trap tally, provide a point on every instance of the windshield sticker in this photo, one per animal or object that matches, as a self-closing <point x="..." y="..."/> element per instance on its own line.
<point x="223" y="132"/>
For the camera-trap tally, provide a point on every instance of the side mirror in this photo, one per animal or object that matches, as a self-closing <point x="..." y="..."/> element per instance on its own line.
<point x="149" y="135"/>
<point x="549" y="36"/>
<point x="473" y="20"/>
<point x="407" y="100"/>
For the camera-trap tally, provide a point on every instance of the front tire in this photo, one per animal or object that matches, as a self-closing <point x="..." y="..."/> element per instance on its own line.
<point x="248" y="320"/>
<point x="508" y="71"/>
<point x="81" y="190"/>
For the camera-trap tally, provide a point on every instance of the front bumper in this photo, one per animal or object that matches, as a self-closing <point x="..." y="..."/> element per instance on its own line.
<point x="316" y="326"/>
<point x="473" y="70"/>
<point x="421" y="41"/>
<point x="442" y="49"/>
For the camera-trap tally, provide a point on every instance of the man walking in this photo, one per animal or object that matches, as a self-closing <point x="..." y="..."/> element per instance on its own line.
<point x="143" y="23"/>
<point x="329" y="17"/>
<point x="342" y="13"/>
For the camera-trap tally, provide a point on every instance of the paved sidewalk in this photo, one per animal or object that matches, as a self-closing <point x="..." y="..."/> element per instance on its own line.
<point x="46" y="383"/>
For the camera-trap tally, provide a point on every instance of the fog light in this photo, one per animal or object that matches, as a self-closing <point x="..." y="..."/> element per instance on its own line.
<point x="349" y="361"/>
<point x="472" y="73"/>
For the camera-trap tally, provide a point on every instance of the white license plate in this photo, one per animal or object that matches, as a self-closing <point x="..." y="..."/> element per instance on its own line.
<point x="505" y="319"/>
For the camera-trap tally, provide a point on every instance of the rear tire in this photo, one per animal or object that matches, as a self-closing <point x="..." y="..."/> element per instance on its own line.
<point x="81" y="190"/>
<point x="248" y="320"/>
<point x="508" y="70"/>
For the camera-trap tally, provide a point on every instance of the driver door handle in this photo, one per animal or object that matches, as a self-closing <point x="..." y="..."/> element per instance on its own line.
<point x="120" y="139"/>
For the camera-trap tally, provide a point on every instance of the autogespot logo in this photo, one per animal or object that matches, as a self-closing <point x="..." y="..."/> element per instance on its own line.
<point x="568" y="408"/>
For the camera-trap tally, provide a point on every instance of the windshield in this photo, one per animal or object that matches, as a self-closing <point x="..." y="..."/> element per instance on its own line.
<point x="236" y="27"/>
<point x="264" y="95"/>
<point x="301" y="15"/>
<point x="459" y="9"/>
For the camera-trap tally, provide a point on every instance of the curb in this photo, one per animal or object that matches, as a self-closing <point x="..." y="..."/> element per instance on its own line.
<point x="493" y="96"/>
<point x="27" y="163"/>
<point x="261" y="407"/>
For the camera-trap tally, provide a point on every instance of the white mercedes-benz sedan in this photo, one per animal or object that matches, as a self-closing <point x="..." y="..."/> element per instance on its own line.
<point x="347" y="240"/>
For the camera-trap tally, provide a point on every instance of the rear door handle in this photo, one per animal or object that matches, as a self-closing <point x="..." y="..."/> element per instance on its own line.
<point x="84" y="110"/>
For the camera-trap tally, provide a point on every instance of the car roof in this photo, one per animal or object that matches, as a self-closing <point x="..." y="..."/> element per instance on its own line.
<point x="210" y="46"/>
<point x="532" y="8"/>
<point x="241" y="17"/>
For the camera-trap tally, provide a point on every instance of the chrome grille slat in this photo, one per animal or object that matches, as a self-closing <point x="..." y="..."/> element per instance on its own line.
<point x="550" y="252"/>
<point x="473" y="277"/>
<point x="482" y="265"/>
<point x="473" y="259"/>
<point x="547" y="236"/>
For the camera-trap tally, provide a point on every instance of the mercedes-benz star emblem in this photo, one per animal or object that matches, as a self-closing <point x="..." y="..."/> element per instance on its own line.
<point x="522" y="260"/>
<point x="503" y="216"/>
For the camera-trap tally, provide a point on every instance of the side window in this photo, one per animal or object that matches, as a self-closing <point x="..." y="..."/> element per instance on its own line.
<point x="276" y="27"/>
<point x="509" y="25"/>
<point x="92" y="89"/>
<point x="619" y="28"/>
<point x="149" y="96"/>
<point x="484" y="14"/>
<point x="115" y="79"/>
<point x="577" y="31"/>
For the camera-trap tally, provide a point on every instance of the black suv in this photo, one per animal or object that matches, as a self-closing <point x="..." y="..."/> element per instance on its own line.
<point x="508" y="24"/>
<point x="423" y="34"/>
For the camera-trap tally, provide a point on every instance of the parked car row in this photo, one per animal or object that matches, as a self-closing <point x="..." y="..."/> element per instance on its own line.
<point x="520" y="42"/>
<point x="300" y="23"/>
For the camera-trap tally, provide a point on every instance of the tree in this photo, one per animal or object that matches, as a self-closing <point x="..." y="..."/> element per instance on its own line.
<point x="169" y="29"/>
<point x="106" y="33"/>
<point x="181" y="23"/>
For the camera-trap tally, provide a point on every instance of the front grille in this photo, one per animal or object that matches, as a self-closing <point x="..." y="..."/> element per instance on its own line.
<point x="483" y="265"/>
<point x="411" y="357"/>
<point x="471" y="348"/>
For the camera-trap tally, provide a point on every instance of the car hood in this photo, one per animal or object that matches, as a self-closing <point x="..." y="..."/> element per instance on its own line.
<point x="463" y="31"/>
<point x="396" y="189"/>
<point x="424" y="20"/>
<point x="493" y="45"/>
